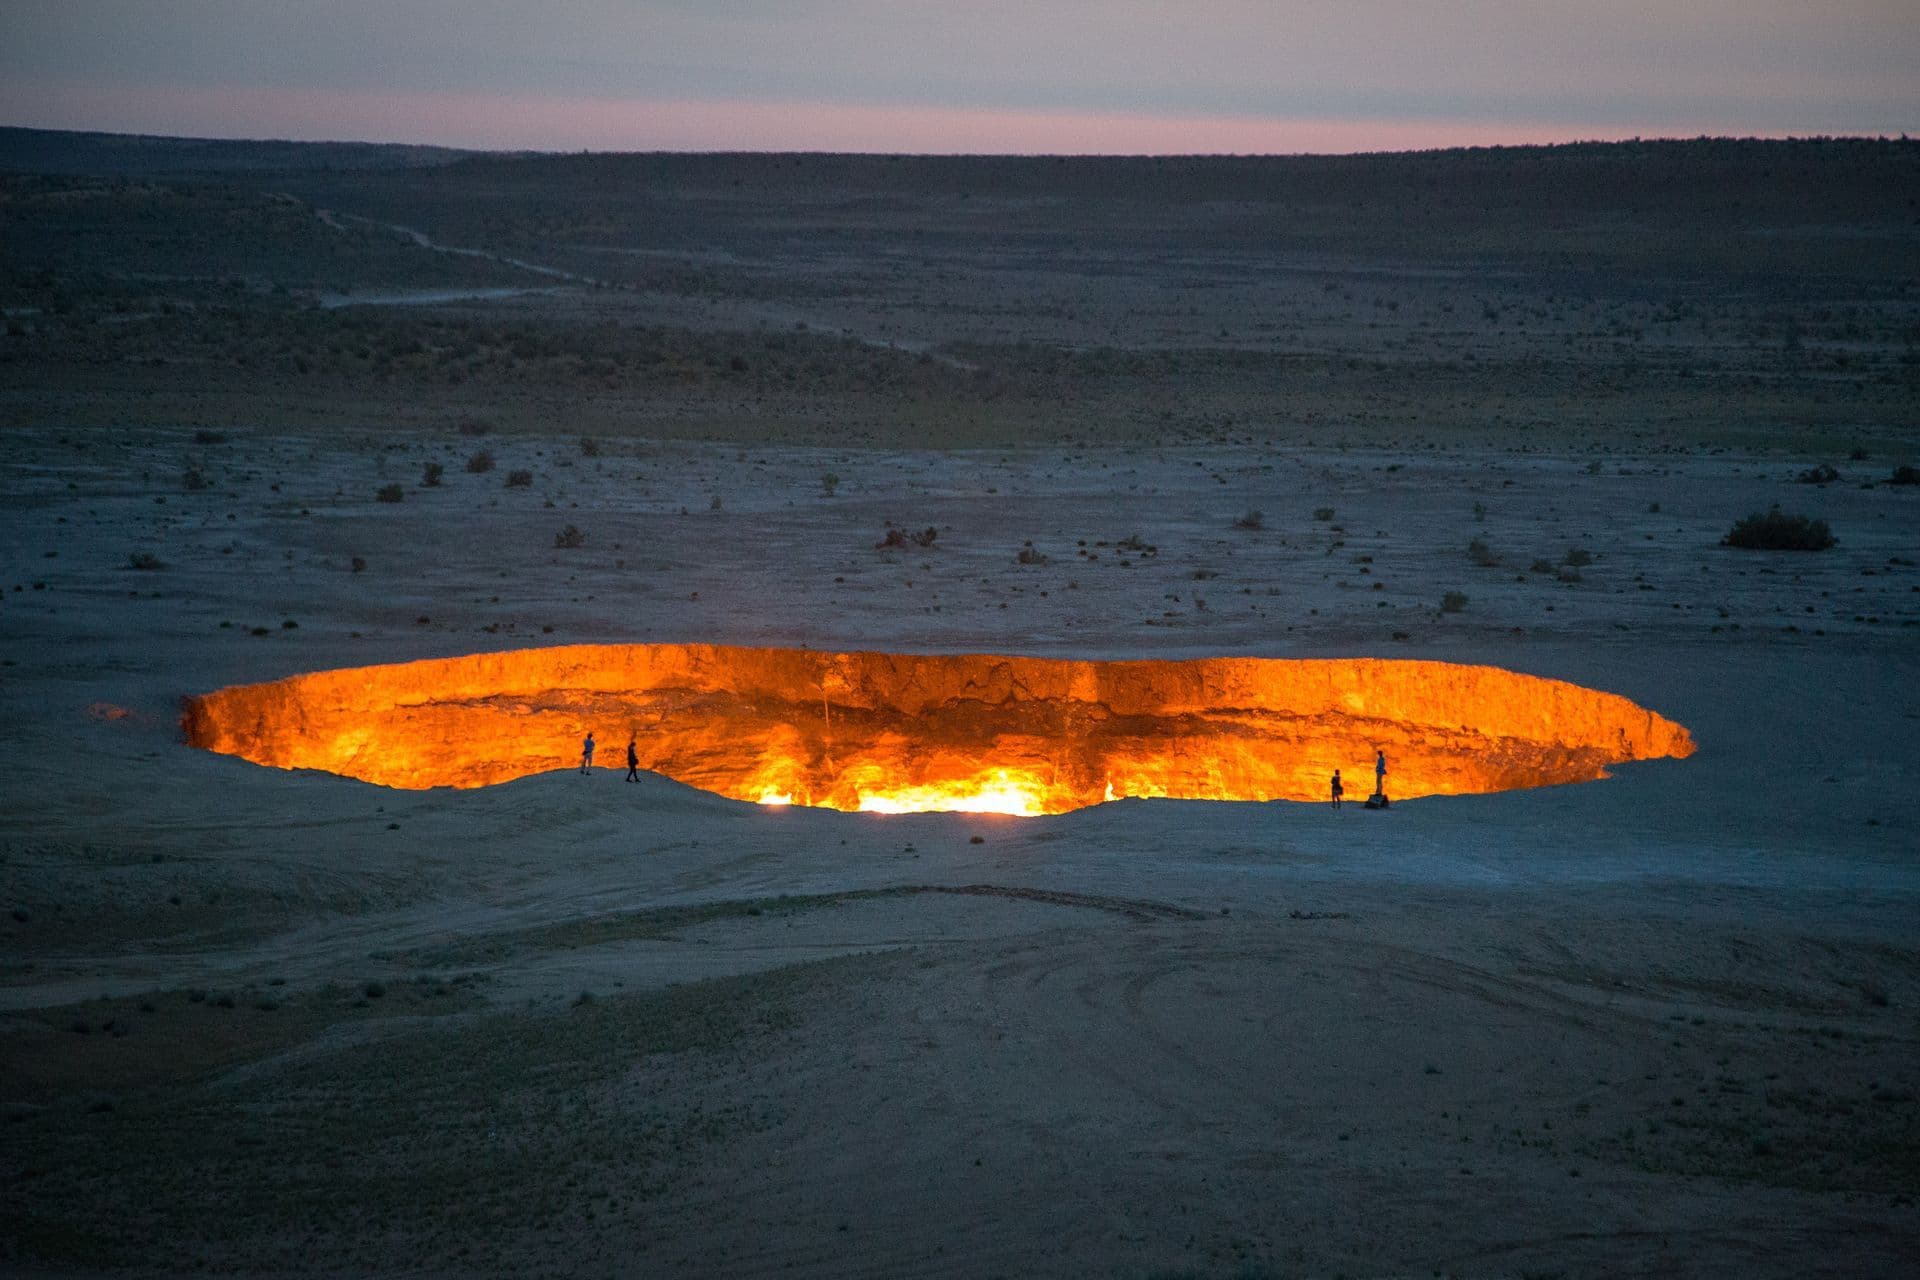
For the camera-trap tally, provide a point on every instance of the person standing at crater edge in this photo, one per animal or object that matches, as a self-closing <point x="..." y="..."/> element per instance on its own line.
<point x="1380" y="773"/>
<point x="1337" y="788"/>
<point x="633" y="762"/>
<point x="586" y="753"/>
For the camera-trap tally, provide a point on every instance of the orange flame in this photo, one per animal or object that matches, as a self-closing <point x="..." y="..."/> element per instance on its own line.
<point x="897" y="733"/>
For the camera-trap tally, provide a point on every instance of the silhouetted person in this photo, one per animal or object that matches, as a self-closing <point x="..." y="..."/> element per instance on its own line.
<point x="1380" y="773"/>
<point x="633" y="762"/>
<point x="586" y="753"/>
<point x="1337" y="789"/>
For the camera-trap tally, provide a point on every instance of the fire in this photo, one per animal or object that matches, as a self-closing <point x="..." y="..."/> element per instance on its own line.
<point x="978" y="733"/>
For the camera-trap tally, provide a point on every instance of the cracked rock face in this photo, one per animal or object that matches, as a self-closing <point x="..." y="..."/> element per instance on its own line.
<point x="899" y="732"/>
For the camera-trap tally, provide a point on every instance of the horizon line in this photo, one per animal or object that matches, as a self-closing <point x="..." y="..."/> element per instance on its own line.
<point x="570" y="125"/>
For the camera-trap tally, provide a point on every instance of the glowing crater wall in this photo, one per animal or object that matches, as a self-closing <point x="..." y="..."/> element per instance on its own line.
<point x="897" y="732"/>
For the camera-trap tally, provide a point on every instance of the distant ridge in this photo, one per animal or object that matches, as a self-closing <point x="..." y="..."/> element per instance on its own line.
<point x="55" y="151"/>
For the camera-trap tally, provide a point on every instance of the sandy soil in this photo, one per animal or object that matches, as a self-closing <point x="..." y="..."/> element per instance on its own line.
<point x="1662" y="1024"/>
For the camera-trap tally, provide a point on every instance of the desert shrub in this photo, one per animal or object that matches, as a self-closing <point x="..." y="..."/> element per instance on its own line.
<point x="519" y="479"/>
<point x="390" y="493"/>
<point x="568" y="538"/>
<point x="145" y="560"/>
<point x="1251" y="520"/>
<point x="1480" y="512"/>
<point x="1822" y="474"/>
<point x="901" y="538"/>
<point x="1323" y="513"/>
<point x="1904" y="475"/>
<point x="1578" y="557"/>
<point x="1775" y="530"/>
<point x="431" y="473"/>
<point x="1481" y="554"/>
<point x="1030" y="554"/>
<point x="1453" y="602"/>
<point x="828" y="483"/>
<point x="481" y="461"/>
<point x="1540" y="566"/>
<point x="359" y="564"/>
<point x="193" y="479"/>
<point x="589" y="447"/>
<point x="1134" y="543"/>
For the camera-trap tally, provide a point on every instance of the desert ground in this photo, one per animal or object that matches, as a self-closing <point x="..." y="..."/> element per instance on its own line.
<point x="263" y="1022"/>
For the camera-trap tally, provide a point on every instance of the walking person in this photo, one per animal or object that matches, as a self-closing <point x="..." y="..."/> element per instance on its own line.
<point x="1337" y="788"/>
<point x="586" y="753"/>
<point x="633" y="762"/>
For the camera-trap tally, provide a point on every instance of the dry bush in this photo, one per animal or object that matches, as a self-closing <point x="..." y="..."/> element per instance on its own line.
<point x="391" y="493"/>
<point x="1251" y="520"/>
<point x="481" y="461"/>
<point x="431" y="473"/>
<point x="145" y="560"/>
<point x="1453" y="602"/>
<point x="569" y="538"/>
<point x="1775" y="530"/>
<point x="520" y="479"/>
<point x="1481" y="554"/>
<point x="1029" y="554"/>
<point x="1323" y="513"/>
<point x="1822" y="474"/>
<point x="1578" y="557"/>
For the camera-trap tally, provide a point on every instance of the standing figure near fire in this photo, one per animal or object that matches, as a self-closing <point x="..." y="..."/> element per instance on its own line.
<point x="1337" y="789"/>
<point x="633" y="762"/>
<point x="1379" y="773"/>
<point x="586" y="753"/>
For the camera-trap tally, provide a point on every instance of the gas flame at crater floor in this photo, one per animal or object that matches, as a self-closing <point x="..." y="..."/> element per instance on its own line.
<point x="899" y="733"/>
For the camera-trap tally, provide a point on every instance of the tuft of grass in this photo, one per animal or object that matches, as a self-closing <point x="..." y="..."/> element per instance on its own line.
<point x="1775" y="530"/>
<point x="480" y="462"/>
<point x="1253" y="519"/>
<point x="430" y="475"/>
<point x="145" y="560"/>
<point x="1822" y="474"/>
<point x="391" y="493"/>
<point x="519" y="479"/>
<point x="1481" y="554"/>
<point x="569" y="538"/>
<point x="1453" y="602"/>
<point x="1323" y="514"/>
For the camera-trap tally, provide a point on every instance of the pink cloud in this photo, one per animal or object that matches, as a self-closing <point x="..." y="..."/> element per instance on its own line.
<point x="555" y="123"/>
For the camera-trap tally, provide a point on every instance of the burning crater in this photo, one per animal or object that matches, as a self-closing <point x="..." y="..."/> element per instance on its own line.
<point x="893" y="733"/>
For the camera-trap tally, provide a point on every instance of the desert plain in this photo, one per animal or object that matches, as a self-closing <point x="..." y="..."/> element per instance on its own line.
<point x="1488" y="407"/>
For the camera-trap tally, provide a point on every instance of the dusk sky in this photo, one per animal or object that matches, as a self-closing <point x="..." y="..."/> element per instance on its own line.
<point x="978" y="76"/>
